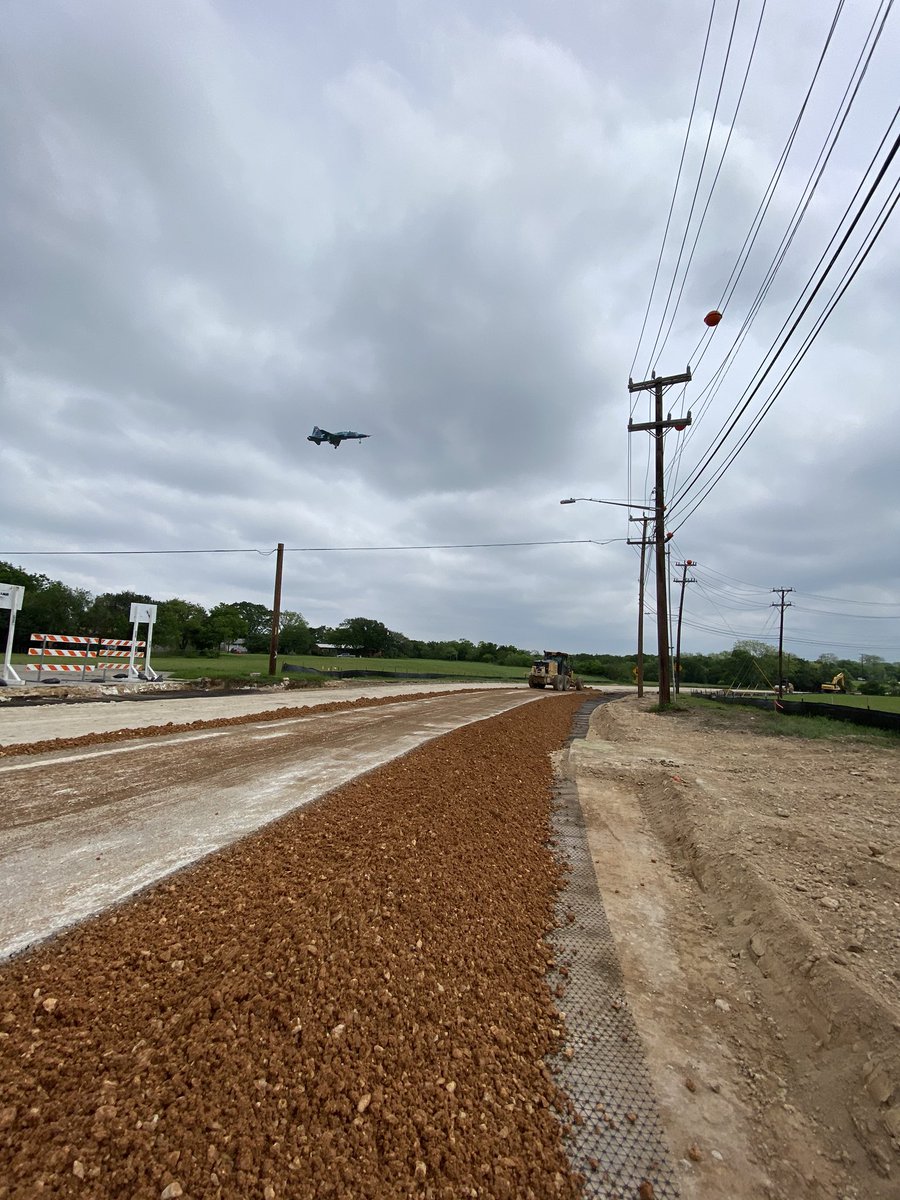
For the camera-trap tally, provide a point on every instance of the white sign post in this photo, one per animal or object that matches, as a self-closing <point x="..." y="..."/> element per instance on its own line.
<point x="141" y="614"/>
<point x="11" y="596"/>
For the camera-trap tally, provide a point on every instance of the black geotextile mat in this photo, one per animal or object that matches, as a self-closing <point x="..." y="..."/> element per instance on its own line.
<point x="615" y="1138"/>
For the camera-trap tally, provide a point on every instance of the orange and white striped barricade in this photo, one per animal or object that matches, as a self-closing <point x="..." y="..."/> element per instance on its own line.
<point x="115" y="654"/>
<point x="96" y="656"/>
<point x="62" y="645"/>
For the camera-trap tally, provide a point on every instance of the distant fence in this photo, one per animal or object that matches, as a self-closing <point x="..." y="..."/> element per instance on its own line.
<point x="93" y="655"/>
<point x="875" y="718"/>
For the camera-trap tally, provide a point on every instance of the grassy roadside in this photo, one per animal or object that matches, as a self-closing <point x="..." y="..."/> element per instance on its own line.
<point x="876" y="703"/>
<point x="249" y="664"/>
<point x="779" y="724"/>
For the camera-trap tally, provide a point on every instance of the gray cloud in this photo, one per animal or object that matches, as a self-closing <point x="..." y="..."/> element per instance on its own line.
<point x="224" y="223"/>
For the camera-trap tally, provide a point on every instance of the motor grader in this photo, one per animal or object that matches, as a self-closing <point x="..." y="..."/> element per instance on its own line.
<point x="554" y="670"/>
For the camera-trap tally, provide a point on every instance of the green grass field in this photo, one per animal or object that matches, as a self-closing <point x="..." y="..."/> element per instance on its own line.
<point x="768" y="721"/>
<point x="877" y="703"/>
<point x="243" y="665"/>
<point x="257" y="665"/>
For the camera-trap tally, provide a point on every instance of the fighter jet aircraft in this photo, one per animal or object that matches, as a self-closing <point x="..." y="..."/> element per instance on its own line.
<point x="334" y="439"/>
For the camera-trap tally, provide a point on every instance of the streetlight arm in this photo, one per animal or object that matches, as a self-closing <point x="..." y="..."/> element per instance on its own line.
<point x="618" y="503"/>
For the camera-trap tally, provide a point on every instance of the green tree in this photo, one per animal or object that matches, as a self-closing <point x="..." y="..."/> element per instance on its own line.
<point x="256" y="617"/>
<point x="56" y="608"/>
<point x="295" y="635"/>
<point x="174" y="619"/>
<point x="400" y="646"/>
<point x="465" y="650"/>
<point x="512" y="656"/>
<point x="754" y="664"/>
<point x="109" y="614"/>
<point x="873" y="668"/>
<point x="486" y="652"/>
<point x="363" y="634"/>
<point x="226" y="624"/>
<point x="49" y="606"/>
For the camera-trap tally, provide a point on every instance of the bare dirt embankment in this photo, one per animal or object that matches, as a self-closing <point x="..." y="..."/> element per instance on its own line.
<point x="753" y="884"/>
<point x="352" y="1002"/>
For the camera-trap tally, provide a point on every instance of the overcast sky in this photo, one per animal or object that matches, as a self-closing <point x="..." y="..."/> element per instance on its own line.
<point x="226" y="221"/>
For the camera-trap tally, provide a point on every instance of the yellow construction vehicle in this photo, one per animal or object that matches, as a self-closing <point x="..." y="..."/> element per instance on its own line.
<point x="838" y="684"/>
<point x="553" y="670"/>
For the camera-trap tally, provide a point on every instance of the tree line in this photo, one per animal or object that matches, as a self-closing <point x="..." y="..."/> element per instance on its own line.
<point x="184" y="628"/>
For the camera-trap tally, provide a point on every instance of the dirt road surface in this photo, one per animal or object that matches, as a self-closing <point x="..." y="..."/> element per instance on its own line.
<point x="751" y="882"/>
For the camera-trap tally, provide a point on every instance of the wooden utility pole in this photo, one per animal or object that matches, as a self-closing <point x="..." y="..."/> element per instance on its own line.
<point x="781" y="604"/>
<point x="657" y="428"/>
<point x="645" y="521"/>
<point x="276" y="611"/>
<point x="688" y="562"/>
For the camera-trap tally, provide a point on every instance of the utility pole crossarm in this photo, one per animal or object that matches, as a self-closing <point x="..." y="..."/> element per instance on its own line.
<point x="670" y="423"/>
<point x="647" y="385"/>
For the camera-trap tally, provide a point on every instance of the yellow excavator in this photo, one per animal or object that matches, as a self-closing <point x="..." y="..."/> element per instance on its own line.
<point x="838" y="684"/>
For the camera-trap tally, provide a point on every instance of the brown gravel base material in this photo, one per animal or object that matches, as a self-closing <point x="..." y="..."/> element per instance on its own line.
<point x="353" y="1002"/>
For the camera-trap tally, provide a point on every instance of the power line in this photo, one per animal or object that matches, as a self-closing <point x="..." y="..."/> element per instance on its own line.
<point x="858" y="74"/>
<point x="712" y="189"/>
<point x="684" y="147"/>
<point x="811" y="337"/>
<point x="795" y="640"/>
<point x="749" y="393"/>
<point x="827" y="612"/>
<point x="746" y="248"/>
<point x="847" y="600"/>
<point x="738" y="409"/>
<point x="712" y="122"/>
<point x="319" y="549"/>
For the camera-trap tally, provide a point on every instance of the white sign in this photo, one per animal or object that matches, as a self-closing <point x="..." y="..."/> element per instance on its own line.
<point x="11" y="595"/>
<point x="141" y="614"/>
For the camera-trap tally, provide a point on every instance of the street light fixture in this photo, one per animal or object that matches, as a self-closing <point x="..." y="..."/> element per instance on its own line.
<point x="618" y="503"/>
<point x="647" y="508"/>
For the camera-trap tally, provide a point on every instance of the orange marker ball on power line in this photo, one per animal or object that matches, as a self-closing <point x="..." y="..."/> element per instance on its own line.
<point x="712" y="318"/>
